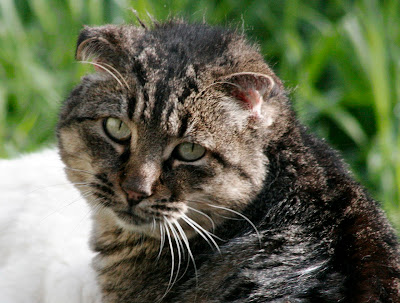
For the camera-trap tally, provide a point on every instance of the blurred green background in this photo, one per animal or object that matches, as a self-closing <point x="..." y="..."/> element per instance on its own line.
<point x="339" y="59"/>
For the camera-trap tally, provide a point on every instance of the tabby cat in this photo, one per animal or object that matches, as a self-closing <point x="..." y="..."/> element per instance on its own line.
<point x="204" y="186"/>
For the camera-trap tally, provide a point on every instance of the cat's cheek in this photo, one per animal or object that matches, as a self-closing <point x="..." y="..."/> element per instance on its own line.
<point x="75" y="156"/>
<point x="229" y="188"/>
<point x="71" y="144"/>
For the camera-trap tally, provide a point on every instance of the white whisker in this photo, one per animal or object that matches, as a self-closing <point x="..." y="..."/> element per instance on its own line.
<point x="162" y="240"/>
<point x="85" y="217"/>
<point x="172" y="258"/>
<point x="106" y="69"/>
<point x="178" y="238"/>
<point x="186" y="241"/>
<point x="119" y="74"/>
<point x="79" y="170"/>
<point x="81" y="196"/>
<point x="96" y="208"/>
<point x="58" y="184"/>
<point x="204" y="214"/>
<point x="230" y="218"/>
<point x="178" y="247"/>
<point x="77" y="157"/>
<point x="240" y="215"/>
<point x="200" y="230"/>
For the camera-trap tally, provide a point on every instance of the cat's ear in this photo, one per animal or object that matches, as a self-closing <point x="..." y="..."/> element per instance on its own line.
<point x="251" y="90"/>
<point x="99" y="46"/>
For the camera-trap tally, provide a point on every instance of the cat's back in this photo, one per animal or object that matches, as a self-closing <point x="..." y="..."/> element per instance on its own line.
<point x="44" y="255"/>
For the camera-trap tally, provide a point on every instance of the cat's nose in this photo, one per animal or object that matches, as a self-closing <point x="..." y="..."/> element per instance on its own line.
<point x="138" y="181"/>
<point x="135" y="191"/>
<point x="136" y="196"/>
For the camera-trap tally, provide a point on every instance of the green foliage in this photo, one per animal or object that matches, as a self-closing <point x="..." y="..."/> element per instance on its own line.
<point x="340" y="59"/>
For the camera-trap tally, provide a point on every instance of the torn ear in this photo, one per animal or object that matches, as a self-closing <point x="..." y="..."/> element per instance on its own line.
<point x="98" y="46"/>
<point x="251" y="89"/>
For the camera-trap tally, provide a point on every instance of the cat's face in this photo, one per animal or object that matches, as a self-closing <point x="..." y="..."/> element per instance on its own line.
<point x="168" y="137"/>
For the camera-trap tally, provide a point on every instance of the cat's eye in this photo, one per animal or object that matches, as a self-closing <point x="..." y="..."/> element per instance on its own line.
<point x="116" y="129"/>
<point x="189" y="152"/>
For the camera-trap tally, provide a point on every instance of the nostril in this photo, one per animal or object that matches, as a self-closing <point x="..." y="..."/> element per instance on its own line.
<point x="132" y="195"/>
<point x="136" y="188"/>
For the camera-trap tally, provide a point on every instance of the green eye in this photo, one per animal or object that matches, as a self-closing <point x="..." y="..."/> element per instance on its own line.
<point x="189" y="152"/>
<point x="116" y="129"/>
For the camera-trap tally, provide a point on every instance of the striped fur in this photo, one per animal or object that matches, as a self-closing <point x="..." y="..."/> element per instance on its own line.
<point x="268" y="214"/>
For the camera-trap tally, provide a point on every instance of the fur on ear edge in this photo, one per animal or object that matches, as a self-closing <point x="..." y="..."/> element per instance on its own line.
<point x="250" y="88"/>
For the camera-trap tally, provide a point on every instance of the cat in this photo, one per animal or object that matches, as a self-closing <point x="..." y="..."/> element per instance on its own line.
<point x="203" y="185"/>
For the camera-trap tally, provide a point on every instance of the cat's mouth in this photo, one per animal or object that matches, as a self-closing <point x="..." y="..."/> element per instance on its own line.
<point x="160" y="219"/>
<point x="150" y="212"/>
<point x="128" y="216"/>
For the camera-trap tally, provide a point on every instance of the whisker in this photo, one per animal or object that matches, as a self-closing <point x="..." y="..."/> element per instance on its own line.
<point x="96" y="208"/>
<point x="80" y="170"/>
<point x="172" y="258"/>
<point x="103" y="188"/>
<point x="76" y="157"/>
<point x="85" y="217"/>
<point x="199" y="94"/>
<point x="178" y="248"/>
<point x="58" y="184"/>
<point x="162" y="240"/>
<point x="234" y="212"/>
<point x="105" y="68"/>
<point x="240" y="215"/>
<point x="186" y="241"/>
<point x="204" y="214"/>
<point x="200" y="230"/>
<point x="234" y="84"/>
<point x="81" y="196"/>
<point x="179" y="239"/>
<point x="119" y="74"/>
<point x="230" y="218"/>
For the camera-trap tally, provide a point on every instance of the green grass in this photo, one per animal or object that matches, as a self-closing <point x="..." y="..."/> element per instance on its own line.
<point x="340" y="60"/>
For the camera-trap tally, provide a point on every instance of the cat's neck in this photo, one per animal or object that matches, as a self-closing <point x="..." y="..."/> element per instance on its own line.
<point x="109" y="238"/>
<point x="137" y="265"/>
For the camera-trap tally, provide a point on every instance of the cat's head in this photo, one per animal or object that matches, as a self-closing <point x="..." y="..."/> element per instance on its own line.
<point x="172" y="127"/>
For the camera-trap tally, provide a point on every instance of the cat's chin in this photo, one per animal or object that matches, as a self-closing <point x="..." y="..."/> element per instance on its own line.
<point x="144" y="228"/>
<point x="131" y="218"/>
<point x="132" y="224"/>
<point x="149" y="218"/>
<point x="175" y="224"/>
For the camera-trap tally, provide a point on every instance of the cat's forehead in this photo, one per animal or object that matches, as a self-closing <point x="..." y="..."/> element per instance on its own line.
<point x="170" y="64"/>
<point x="161" y="77"/>
<point x="169" y="48"/>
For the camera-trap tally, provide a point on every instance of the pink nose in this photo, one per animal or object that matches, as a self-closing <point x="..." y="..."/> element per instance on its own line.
<point x="132" y="195"/>
<point x="135" y="193"/>
<point x="137" y="186"/>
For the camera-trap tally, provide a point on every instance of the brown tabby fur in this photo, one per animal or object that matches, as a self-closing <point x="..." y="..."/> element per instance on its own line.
<point x="311" y="233"/>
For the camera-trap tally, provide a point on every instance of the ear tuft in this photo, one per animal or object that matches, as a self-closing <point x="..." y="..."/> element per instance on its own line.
<point x="249" y="88"/>
<point x="99" y="45"/>
<point x="91" y="45"/>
